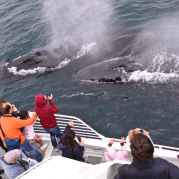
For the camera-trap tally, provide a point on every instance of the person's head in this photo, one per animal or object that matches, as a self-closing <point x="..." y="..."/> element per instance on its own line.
<point x="132" y="133"/>
<point x="2" y="101"/>
<point x="40" y="100"/>
<point x="142" y="148"/>
<point x="24" y="114"/>
<point x="11" y="156"/>
<point x="6" y="108"/>
<point x="68" y="139"/>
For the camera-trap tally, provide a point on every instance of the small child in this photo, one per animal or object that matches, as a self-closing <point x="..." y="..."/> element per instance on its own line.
<point x="111" y="154"/>
<point x="29" y="134"/>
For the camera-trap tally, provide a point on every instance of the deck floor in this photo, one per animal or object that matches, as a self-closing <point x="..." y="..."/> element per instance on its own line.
<point x="95" y="154"/>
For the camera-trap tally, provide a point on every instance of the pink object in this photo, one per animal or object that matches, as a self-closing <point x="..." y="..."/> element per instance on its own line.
<point x="28" y="132"/>
<point x="111" y="154"/>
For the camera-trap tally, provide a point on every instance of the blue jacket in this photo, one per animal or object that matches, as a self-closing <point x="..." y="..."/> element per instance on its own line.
<point x="157" y="168"/>
<point x="15" y="169"/>
<point x="77" y="153"/>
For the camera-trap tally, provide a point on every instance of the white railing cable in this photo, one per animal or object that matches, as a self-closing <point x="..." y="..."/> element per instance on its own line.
<point x="80" y="127"/>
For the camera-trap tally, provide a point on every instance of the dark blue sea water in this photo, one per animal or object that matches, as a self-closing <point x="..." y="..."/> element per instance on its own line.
<point x="150" y="99"/>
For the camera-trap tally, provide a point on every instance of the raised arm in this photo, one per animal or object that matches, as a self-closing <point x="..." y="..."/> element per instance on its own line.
<point x="22" y="123"/>
<point x="53" y="108"/>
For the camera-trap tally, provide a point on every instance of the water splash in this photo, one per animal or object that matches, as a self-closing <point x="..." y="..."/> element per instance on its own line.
<point x="24" y="72"/>
<point x="71" y="17"/>
<point x="78" y="94"/>
<point x="86" y="48"/>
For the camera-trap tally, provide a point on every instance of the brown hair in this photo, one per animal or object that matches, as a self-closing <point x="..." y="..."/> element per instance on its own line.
<point x="134" y="133"/>
<point x="2" y="101"/>
<point x="4" y="108"/>
<point x="142" y="148"/>
<point x="23" y="115"/>
<point x="67" y="139"/>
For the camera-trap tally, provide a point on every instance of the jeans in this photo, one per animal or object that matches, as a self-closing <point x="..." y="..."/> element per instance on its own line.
<point x="2" y="146"/>
<point x="10" y="147"/>
<point x="54" y="132"/>
<point x="26" y="146"/>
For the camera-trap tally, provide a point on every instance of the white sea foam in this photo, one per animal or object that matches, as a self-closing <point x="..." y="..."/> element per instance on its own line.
<point x="78" y="94"/>
<point x="24" y="72"/>
<point x="152" y="77"/>
<point x="86" y="48"/>
<point x="165" y="63"/>
<point x="62" y="64"/>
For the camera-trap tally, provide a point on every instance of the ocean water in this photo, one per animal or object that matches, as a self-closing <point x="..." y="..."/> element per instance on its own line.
<point x="148" y="98"/>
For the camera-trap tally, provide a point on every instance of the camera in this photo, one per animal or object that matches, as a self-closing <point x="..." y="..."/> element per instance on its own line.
<point x="79" y="138"/>
<point x="24" y="161"/>
<point x="142" y="131"/>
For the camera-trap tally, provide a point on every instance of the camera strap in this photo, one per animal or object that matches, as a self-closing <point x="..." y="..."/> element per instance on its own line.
<point x="22" y="164"/>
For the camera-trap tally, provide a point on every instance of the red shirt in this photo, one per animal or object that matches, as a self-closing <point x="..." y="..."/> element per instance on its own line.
<point x="45" y="113"/>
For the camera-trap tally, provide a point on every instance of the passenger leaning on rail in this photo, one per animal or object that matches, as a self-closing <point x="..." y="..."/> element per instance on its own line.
<point x="111" y="154"/>
<point x="13" y="136"/>
<point x="144" y="165"/>
<point x="71" y="148"/>
<point x="132" y="133"/>
<point x="47" y="118"/>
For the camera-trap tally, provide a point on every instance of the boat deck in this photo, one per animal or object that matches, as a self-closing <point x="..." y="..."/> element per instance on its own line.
<point x="94" y="143"/>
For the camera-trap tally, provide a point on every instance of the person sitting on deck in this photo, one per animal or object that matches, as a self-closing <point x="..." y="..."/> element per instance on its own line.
<point x="144" y="165"/>
<point x="15" y="162"/>
<point x="47" y="118"/>
<point x="11" y="128"/>
<point x="70" y="148"/>
<point x="29" y="134"/>
<point x="111" y="154"/>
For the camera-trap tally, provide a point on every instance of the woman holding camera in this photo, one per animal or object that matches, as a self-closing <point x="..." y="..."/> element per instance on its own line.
<point x="132" y="133"/>
<point x="71" y="148"/>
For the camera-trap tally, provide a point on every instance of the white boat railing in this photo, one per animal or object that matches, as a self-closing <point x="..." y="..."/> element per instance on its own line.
<point x="80" y="127"/>
<point x="84" y="130"/>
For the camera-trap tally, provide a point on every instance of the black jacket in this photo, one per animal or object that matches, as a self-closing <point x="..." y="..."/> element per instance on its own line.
<point x="77" y="153"/>
<point x="157" y="168"/>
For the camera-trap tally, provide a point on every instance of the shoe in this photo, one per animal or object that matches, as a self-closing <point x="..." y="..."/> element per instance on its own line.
<point x="56" y="150"/>
<point x="86" y="160"/>
<point x="43" y="154"/>
<point x="1" y="171"/>
<point x="44" y="147"/>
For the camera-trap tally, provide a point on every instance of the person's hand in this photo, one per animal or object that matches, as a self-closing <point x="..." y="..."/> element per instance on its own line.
<point x="45" y="97"/>
<point x="34" y="114"/>
<point x="13" y="107"/>
<point x="81" y="143"/>
<point x="50" y="97"/>
<point x="70" y="123"/>
<point x="111" y="141"/>
<point x="138" y="130"/>
<point x="146" y="133"/>
<point x="122" y="140"/>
